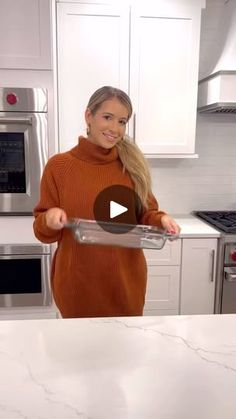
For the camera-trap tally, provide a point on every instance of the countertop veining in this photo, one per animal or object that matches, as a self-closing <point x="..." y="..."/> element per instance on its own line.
<point x="176" y="367"/>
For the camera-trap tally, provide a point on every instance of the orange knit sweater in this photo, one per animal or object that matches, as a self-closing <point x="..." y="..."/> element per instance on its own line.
<point x="90" y="280"/>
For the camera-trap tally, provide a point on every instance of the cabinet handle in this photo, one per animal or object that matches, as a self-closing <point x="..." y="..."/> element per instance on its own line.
<point x="134" y="127"/>
<point x="212" y="265"/>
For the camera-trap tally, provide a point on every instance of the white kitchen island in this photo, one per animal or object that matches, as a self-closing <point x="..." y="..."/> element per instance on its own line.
<point x="176" y="367"/>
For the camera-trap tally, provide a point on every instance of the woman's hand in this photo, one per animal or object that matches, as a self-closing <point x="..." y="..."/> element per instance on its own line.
<point x="170" y="225"/>
<point x="56" y="218"/>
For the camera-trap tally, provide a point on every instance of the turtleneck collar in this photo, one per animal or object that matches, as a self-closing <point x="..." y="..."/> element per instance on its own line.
<point x="93" y="153"/>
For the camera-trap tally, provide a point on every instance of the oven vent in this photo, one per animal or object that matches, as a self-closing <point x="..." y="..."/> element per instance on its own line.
<point x="217" y="93"/>
<point x="229" y="108"/>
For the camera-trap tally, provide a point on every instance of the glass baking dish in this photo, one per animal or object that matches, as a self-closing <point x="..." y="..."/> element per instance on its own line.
<point x="123" y="235"/>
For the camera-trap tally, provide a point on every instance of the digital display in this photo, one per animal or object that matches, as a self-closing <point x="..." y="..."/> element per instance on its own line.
<point x="12" y="162"/>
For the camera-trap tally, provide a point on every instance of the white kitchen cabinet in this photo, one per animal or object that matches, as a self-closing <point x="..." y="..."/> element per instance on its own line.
<point x="25" y="34"/>
<point x="165" y="41"/>
<point x="198" y="273"/>
<point x="150" y="50"/>
<point x="93" y="51"/>
<point x="162" y="296"/>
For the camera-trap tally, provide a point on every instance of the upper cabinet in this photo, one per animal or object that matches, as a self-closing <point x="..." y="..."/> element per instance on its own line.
<point x="25" y="34"/>
<point x="150" y="50"/>
<point x="93" y="51"/>
<point x="164" y="75"/>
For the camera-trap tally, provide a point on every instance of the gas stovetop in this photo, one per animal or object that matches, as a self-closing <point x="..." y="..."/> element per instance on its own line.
<point x="223" y="220"/>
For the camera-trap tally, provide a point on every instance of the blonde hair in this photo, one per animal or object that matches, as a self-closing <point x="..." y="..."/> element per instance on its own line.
<point x="130" y="155"/>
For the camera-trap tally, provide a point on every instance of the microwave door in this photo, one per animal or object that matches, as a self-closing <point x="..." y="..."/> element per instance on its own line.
<point x="22" y="159"/>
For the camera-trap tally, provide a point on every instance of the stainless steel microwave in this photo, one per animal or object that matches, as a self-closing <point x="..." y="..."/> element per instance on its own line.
<point x="23" y="147"/>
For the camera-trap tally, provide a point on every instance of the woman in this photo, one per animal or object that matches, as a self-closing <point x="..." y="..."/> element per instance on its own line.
<point x="97" y="281"/>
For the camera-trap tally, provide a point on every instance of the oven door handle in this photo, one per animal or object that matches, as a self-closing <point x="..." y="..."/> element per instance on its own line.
<point x="15" y="120"/>
<point x="230" y="276"/>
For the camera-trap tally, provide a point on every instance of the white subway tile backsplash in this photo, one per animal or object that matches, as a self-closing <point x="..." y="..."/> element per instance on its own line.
<point x="209" y="182"/>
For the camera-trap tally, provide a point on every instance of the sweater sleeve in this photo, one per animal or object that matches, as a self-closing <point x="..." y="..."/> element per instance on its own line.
<point x="152" y="215"/>
<point x="49" y="198"/>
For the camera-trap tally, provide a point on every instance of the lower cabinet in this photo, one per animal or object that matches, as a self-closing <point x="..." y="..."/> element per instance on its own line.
<point x="162" y="296"/>
<point x="198" y="275"/>
<point x="181" y="277"/>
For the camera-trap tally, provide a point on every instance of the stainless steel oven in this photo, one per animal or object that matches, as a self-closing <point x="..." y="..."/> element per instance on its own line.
<point x="25" y="275"/>
<point x="228" y="300"/>
<point x="225" y="292"/>
<point x="23" y="147"/>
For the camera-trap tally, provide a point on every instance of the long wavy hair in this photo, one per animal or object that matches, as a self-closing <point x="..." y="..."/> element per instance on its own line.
<point x="130" y="155"/>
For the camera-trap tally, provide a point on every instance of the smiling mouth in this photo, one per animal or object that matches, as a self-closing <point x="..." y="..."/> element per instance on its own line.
<point x="110" y="137"/>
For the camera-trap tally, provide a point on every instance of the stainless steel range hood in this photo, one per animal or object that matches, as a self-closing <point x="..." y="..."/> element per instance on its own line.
<point x="217" y="93"/>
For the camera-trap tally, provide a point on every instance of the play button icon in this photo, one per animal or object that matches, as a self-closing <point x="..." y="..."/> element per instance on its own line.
<point x="120" y="205"/>
<point x="116" y="209"/>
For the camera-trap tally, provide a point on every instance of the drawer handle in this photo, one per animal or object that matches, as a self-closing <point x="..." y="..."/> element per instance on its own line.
<point x="212" y="265"/>
<point x="134" y="127"/>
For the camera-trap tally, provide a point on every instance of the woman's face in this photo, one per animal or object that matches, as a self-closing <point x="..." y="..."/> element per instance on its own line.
<point x="107" y="126"/>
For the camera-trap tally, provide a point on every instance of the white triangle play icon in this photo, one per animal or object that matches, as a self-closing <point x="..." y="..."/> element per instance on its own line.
<point x="116" y="209"/>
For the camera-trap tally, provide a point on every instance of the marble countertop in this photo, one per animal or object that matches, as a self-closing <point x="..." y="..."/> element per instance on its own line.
<point x="176" y="367"/>
<point x="18" y="229"/>
<point x="194" y="227"/>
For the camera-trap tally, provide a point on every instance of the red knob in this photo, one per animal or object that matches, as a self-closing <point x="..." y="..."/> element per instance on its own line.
<point x="233" y="256"/>
<point x="11" y="98"/>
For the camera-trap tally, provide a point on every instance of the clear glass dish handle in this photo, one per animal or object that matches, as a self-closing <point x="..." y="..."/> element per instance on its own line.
<point x="152" y="243"/>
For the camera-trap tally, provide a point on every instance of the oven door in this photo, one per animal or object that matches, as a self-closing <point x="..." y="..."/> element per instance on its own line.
<point x="23" y="146"/>
<point x="24" y="280"/>
<point x="229" y="291"/>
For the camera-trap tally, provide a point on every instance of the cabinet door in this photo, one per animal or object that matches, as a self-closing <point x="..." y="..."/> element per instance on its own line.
<point x="198" y="276"/>
<point x="162" y="290"/>
<point x="164" y="75"/>
<point x="25" y="34"/>
<point x="170" y="254"/>
<point x="93" y="51"/>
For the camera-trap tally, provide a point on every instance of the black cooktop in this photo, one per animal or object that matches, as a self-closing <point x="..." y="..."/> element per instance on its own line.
<point x="223" y="220"/>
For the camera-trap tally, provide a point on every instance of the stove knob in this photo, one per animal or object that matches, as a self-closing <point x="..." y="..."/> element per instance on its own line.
<point x="11" y="98"/>
<point x="233" y="256"/>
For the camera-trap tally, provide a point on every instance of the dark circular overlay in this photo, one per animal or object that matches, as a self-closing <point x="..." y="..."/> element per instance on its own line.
<point x="110" y="201"/>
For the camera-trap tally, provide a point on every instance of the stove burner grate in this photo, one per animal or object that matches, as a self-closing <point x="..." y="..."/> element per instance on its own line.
<point x="224" y="220"/>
